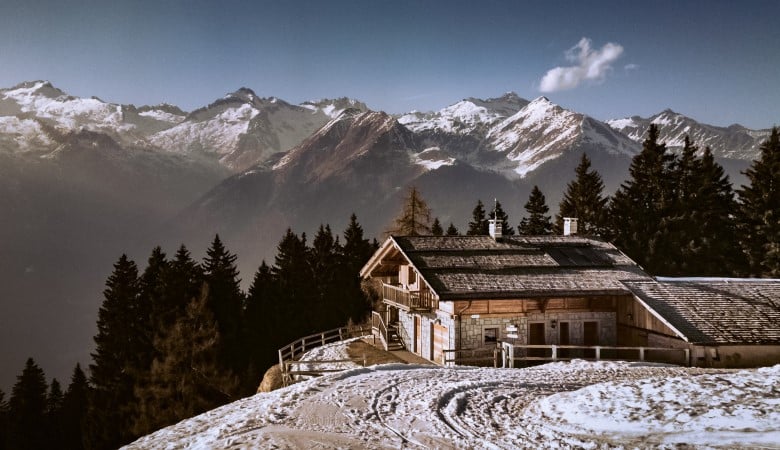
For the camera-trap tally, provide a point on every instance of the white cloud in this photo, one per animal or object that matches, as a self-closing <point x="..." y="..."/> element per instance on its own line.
<point x="628" y="67"/>
<point x="590" y="65"/>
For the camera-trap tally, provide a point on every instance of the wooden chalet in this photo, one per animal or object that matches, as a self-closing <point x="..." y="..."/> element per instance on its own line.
<point x="559" y="297"/>
<point x="444" y="295"/>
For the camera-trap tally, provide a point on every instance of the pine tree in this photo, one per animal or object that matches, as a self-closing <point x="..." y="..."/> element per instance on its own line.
<point x="4" y="417"/>
<point x="498" y="211"/>
<point x="415" y="217"/>
<point x="53" y="424"/>
<point x="759" y="211"/>
<point x="642" y="207"/>
<point x="27" y="409"/>
<point x="436" y="228"/>
<point x="537" y="222"/>
<point x="226" y="301"/>
<point x="701" y="232"/>
<point x="479" y="224"/>
<point x="452" y="230"/>
<point x="113" y="406"/>
<point x="329" y="310"/>
<point x="294" y="289"/>
<point x="151" y="311"/>
<point x="74" y="408"/>
<point x="182" y="281"/>
<point x="152" y="305"/>
<point x="584" y="199"/>
<point x="258" y="322"/>
<point x="356" y="252"/>
<point x="188" y="379"/>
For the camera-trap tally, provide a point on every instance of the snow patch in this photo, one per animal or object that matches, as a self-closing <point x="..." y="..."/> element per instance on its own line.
<point x="565" y="405"/>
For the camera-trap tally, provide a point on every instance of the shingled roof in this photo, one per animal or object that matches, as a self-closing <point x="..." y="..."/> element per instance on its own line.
<point x="716" y="311"/>
<point x="474" y="267"/>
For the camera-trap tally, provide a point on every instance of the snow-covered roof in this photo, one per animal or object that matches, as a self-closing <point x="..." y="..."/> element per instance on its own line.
<point x="475" y="267"/>
<point x="715" y="311"/>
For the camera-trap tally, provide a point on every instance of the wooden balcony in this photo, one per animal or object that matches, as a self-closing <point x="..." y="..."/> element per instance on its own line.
<point x="406" y="299"/>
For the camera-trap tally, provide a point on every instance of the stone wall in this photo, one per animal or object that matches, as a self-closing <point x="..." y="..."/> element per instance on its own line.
<point x="473" y="327"/>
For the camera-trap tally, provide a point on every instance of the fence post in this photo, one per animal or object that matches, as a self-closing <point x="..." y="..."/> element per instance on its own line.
<point x="598" y="353"/>
<point x="554" y="352"/>
<point x="641" y="353"/>
<point x="322" y="338"/>
<point x="688" y="356"/>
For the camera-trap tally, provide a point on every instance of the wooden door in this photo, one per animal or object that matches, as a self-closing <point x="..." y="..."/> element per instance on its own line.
<point x="590" y="336"/>
<point x="536" y="337"/>
<point x="417" y="335"/>
<point x="563" y="339"/>
<point x="439" y="340"/>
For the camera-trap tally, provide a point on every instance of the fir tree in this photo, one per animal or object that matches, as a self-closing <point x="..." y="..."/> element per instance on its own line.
<point x="226" y="301"/>
<point x="479" y="224"/>
<point x="701" y="231"/>
<point x="759" y="211"/>
<point x="415" y="217"/>
<point x="329" y="310"/>
<point x="74" y="409"/>
<point x="53" y="424"/>
<point x="113" y="406"/>
<point x="188" y="379"/>
<point x="294" y="289"/>
<point x="4" y="413"/>
<point x="537" y="222"/>
<point x="260" y="343"/>
<point x="182" y="281"/>
<point x="498" y="211"/>
<point x="27" y="409"/>
<point x="436" y="228"/>
<point x="452" y="230"/>
<point x="355" y="253"/>
<point x="584" y="199"/>
<point x="642" y="206"/>
<point x="151" y="301"/>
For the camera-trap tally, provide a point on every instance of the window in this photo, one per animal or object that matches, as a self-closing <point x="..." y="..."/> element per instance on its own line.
<point x="491" y="335"/>
<point x="412" y="276"/>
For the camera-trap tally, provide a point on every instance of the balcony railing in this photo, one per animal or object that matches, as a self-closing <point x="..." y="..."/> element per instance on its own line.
<point x="410" y="300"/>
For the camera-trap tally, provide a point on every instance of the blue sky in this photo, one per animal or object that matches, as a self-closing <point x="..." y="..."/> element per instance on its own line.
<point x="718" y="62"/>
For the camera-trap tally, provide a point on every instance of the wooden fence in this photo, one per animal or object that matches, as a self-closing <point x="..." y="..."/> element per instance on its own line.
<point x="290" y="354"/>
<point x="509" y="355"/>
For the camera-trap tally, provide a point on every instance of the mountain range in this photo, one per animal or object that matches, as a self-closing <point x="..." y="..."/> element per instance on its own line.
<point x="83" y="181"/>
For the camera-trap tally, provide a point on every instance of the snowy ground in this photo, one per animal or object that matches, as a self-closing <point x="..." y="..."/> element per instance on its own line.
<point x="577" y="404"/>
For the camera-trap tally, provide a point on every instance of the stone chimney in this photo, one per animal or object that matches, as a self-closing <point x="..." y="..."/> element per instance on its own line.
<point x="569" y="226"/>
<point x="495" y="228"/>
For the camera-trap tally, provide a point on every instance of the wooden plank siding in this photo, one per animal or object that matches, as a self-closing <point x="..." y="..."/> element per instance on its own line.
<point x="636" y="323"/>
<point x="533" y="305"/>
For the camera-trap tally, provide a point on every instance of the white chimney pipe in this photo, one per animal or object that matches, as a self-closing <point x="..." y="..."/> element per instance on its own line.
<point x="495" y="228"/>
<point x="569" y="226"/>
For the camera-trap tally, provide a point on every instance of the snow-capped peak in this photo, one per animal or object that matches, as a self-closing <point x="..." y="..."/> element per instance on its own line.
<point x="333" y="107"/>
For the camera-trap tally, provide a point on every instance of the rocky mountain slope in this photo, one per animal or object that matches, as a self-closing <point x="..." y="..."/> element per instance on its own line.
<point x="732" y="142"/>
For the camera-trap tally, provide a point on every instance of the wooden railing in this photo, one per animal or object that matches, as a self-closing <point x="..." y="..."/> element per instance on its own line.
<point x="508" y="355"/>
<point x="378" y="327"/>
<point x="530" y="354"/>
<point x="487" y="356"/>
<point x="410" y="300"/>
<point x="292" y="352"/>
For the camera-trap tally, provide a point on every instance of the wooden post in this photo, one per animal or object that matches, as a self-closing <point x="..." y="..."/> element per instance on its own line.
<point x="554" y="352"/>
<point x="322" y="339"/>
<point x="641" y="353"/>
<point x="598" y="353"/>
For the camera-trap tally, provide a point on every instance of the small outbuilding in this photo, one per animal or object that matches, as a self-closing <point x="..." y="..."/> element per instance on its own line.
<point x="724" y="322"/>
